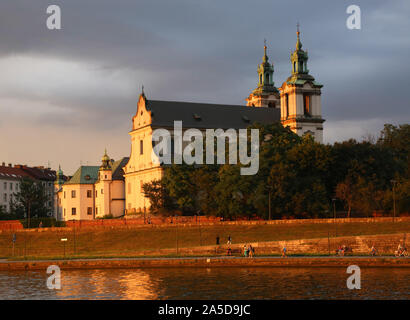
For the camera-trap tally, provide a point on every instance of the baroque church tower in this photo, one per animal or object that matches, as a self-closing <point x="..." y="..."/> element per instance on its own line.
<point x="300" y="96"/>
<point x="266" y="94"/>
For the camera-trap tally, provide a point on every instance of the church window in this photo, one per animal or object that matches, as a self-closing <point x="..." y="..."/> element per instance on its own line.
<point x="64" y="194"/>
<point x="73" y="211"/>
<point x="141" y="146"/>
<point x="267" y="78"/>
<point x="96" y="193"/>
<point x="73" y="194"/>
<point x="301" y="66"/>
<point x="287" y="105"/>
<point x="260" y="79"/>
<point x="89" y="194"/>
<point x="105" y="176"/>
<point x="306" y="104"/>
<point x="89" y="211"/>
<point x="294" y="67"/>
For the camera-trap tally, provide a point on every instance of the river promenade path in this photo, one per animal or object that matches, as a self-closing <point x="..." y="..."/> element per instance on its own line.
<point x="208" y="262"/>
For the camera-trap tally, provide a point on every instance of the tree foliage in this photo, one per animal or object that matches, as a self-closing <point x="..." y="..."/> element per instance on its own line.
<point x="299" y="176"/>
<point x="30" y="201"/>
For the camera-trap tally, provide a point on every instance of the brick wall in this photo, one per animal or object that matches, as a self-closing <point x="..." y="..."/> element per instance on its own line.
<point x="10" y="225"/>
<point x="186" y="221"/>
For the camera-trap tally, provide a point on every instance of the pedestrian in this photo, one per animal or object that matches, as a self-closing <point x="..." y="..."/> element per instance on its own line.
<point x="284" y="252"/>
<point x="40" y="224"/>
<point x="250" y="251"/>
<point x="229" y="240"/>
<point x="373" y="251"/>
<point x="217" y="240"/>
<point x="245" y="250"/>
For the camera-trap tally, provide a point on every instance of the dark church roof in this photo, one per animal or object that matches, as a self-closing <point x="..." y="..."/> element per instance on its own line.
<point x="209" y="116"/>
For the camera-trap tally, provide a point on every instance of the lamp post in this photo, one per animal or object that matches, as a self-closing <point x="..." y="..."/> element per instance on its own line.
<point x="334" y="213"/>
<point x="64" y="240"/>
<point x="394" y="182"/>
<point x="176" y="234"/>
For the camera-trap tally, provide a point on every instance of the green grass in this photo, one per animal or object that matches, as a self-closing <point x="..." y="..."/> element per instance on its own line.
<point x="146" y="241"/>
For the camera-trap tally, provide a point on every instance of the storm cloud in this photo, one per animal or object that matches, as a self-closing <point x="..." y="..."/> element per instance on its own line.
<point x="67" y="94"/>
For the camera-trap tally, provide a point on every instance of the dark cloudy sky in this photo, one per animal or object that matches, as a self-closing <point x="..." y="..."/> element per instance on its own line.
<point x="66" y="95"/>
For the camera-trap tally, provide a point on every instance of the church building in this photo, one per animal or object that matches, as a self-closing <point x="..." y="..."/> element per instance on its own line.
<point x="116" y="187"/>
<point x="92" y="192"/>
<point x="296" y="104"/>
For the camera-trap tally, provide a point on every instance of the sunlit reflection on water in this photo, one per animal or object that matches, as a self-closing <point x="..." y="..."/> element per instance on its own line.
<point x="208" y="283"/>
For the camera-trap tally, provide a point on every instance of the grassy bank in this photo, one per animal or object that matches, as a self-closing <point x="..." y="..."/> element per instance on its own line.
<point x="133" y="242"/>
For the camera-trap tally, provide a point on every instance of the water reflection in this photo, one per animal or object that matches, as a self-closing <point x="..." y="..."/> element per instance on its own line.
<point x="209" y="283"/>
<point x="131" y="284"/>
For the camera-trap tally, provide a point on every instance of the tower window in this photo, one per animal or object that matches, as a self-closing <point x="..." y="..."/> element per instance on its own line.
<point x="260" y="79"/>
<point x="294" y="67"/>
<point x="306" y="104"/>
<point x="141" y="146"/>
<point x="267" y="78"/>
<point x="301" y="66"/>
<point x="287" y="105"/>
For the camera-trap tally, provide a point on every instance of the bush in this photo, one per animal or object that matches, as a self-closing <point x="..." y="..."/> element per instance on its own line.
<point x="46" y="222"/>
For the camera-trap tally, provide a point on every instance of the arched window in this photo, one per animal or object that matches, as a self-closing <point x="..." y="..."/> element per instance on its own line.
<point x="271" y="105"/>
<point x="301" y="66"/>
<point x="294" y="67"/>
<point x="307" y="108"/>
<point x="260" y="79"/>
<point x="267" y="78"/>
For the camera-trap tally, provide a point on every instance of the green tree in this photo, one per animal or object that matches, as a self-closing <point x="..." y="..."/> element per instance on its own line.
<point x="30" y="199"/>
<point x="158" y="195"/>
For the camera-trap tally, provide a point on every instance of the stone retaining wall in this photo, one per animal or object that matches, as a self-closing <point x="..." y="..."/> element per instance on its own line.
<point x="190" y="221"/>
<point x="341" y="262"/>
<point x="385" y="244"/>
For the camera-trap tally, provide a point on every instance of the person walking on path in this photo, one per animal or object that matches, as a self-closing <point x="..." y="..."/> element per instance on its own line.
<point x="251" y="251"/>
<point x="284" y="252"/>
<point x="245" y="250"/>
<point x="229" y="240"/>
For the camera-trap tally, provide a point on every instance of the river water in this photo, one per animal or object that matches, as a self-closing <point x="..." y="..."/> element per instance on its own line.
<point x="208" y="283"/>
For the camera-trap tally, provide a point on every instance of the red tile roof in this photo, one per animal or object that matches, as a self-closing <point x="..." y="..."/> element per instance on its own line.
<point x="19" y="171"/>
<point x="13" y="173"/>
